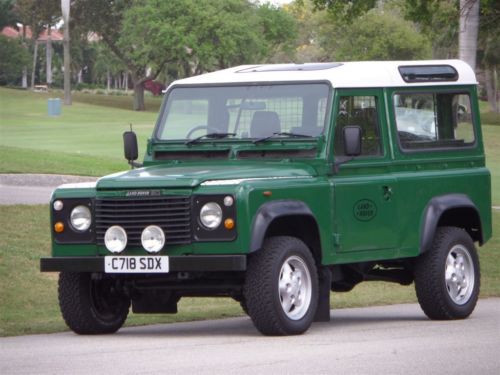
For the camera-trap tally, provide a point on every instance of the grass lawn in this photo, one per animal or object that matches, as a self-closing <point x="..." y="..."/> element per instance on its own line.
<point x="28" y="298"/>
<point x="89" y="135"/>
<point x="87" y="140"/>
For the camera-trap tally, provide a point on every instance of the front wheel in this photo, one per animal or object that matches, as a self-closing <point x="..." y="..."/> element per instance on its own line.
<point x="91" y="304"/>
<point x="281" y="287"/>
<point x="447" y="277"/>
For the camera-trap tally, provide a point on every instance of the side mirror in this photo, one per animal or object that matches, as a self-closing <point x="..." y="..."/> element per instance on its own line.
<point x="130" y="146"/>
<point x="352" y="140"/>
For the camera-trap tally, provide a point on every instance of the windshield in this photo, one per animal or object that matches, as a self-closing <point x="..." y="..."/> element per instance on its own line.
<point x="244" y="112"/>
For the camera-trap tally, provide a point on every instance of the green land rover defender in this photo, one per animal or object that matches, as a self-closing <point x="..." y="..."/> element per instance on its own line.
<point x="276" y="184"/>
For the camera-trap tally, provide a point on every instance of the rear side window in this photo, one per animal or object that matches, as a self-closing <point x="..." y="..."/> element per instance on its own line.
<point x="433" y="120"/>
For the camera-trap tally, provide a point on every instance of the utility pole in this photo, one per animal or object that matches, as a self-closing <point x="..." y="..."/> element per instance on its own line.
<point x="65" y="5"/>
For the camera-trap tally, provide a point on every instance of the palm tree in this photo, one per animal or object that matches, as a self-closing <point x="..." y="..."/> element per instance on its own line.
<point x="469" y="27"/>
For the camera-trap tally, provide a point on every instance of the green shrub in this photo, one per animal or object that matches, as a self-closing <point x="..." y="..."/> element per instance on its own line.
<point x="14" y="57"/>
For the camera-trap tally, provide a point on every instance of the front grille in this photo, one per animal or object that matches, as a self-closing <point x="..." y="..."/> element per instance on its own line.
<point x="171" y="213"/>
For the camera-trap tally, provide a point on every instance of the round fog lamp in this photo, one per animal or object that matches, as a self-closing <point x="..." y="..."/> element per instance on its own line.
<point x="80" y="218"/>
<point x="211" y="215"/>
<point x="115" y="239"/>
<point x="152" y="239"/>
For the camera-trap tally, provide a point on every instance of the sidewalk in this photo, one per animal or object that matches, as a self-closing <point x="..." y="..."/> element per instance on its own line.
<point x="33" y="188"/>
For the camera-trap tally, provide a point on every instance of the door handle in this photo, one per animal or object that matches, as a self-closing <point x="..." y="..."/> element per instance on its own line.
<point x="387" y="192"/>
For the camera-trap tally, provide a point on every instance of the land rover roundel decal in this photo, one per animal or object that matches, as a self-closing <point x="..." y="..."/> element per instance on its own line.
<point x="365" y="210"/>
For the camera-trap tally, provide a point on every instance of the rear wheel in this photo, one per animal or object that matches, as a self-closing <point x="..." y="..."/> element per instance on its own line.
<point x="281" y="287"/>
<point x="447" y="277"/>
<point x="91" y="304"/>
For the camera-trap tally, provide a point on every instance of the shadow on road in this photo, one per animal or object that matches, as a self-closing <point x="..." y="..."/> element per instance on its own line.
<point x="243" y="327"/>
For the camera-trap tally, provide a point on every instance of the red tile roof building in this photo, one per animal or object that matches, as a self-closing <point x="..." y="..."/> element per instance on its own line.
<point x="12" y="32"/>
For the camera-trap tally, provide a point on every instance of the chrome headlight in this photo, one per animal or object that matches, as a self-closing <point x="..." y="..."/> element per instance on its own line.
<point x="211" y="215"/>
<point x="81" y="218"/>
<point x="115" y="239"/>
<point x="153" y="239"/>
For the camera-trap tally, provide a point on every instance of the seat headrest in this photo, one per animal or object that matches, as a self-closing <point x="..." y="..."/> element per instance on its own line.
<point x="264" y="123"/>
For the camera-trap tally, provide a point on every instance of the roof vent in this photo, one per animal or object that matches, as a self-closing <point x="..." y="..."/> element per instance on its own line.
<point x="428" y="73"/>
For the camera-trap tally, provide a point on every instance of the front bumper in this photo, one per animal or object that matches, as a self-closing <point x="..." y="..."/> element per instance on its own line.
<point x="188" y="263"/>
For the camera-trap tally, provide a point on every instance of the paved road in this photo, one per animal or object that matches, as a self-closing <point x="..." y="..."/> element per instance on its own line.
<point x="33" y="188"/>
<point x="376" y="340"/>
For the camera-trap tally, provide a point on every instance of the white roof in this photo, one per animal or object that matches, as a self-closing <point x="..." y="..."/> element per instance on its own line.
<point x="342" y="75"/>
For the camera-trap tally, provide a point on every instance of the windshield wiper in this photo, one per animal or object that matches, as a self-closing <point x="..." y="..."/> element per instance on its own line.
<point x="294" y="135"/>
<point x="209" y="135"/>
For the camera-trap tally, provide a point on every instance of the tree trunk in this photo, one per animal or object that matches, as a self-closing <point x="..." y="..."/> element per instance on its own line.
<point x="35" y="56"/>
<point x="495" y="87"/>
<point x="79" y="78"/>
<point x="469" y="26"/>
<point x="491" y="89"/>
<point x="139" y="97"/>
<point x="67" y="69"/>
<point x="108" y="80"/>
<point x="25" y="78"/>
<point x="25" y="68"/>
<point x="48" y="54"/>
<point x="126" y="82"/>
<point x="65" y="9"/>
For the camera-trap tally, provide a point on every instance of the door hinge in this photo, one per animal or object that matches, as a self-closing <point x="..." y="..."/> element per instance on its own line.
<point x="336" y="239"/>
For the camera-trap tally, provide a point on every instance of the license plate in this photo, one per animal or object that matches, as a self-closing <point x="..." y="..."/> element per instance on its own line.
<point x="136" y="264"/>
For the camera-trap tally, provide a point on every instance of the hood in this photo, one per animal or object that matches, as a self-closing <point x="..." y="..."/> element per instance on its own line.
<point x="176" y="176"/>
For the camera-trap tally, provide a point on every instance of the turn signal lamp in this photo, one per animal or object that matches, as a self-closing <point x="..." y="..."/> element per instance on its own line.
<point x="58" y="227"/>
<point x="229" y="223"/>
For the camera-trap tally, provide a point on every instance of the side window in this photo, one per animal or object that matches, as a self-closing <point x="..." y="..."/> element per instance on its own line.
<point x="360" y="111"/>
<point x="433" y="120"/>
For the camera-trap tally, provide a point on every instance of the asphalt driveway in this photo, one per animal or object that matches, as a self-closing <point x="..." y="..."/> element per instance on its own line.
<point x="33" y="188"/>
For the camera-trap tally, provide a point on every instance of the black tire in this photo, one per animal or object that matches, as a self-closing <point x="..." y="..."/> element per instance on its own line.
<point x="90" y="304"/>
<point x="262" y="292"/>
<point x="443" y="276"/>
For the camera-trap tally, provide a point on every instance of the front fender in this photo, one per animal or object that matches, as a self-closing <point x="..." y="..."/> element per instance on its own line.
<point x="270" y="211"/>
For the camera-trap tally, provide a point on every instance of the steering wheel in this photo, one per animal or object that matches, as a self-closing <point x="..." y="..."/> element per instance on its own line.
<point x="199" y="127"/>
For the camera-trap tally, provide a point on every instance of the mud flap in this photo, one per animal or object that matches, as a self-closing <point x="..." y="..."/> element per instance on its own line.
<point x="152" y="302"/>
<point x="324" y="285"/>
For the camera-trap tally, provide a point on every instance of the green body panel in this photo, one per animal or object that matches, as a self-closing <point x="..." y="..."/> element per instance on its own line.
<point x="193" y="174"/>
<point x="371" y="209"/>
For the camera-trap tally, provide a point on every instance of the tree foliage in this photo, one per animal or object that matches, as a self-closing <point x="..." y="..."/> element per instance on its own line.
<point x="18" y="57"/>
<point x="345" y="11"/>
<point x="280" y="32"/>
<point x="438" y="20"/>
<point x="362" y="30"/>
<point x="149" y="35"/>
<point x="376" y="36"/>
<point x="8" y="16"/>
<point x="37" y="14"/>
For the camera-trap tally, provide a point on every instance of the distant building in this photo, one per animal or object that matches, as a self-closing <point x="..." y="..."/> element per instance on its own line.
<point x="12" y="32"/>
